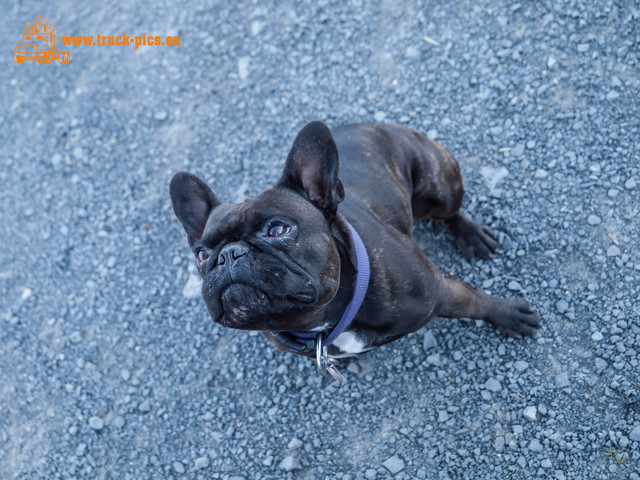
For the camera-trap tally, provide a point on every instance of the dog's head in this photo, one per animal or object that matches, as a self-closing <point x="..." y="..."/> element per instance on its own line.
<point x="272" y="262"/>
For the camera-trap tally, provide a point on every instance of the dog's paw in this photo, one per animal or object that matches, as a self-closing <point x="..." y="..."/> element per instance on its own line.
<point x="515" y="317"/>
<point x="473" y="239"/>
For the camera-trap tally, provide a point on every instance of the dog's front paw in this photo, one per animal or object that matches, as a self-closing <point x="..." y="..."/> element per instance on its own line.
<point x="473" y="239"/>
<point x="515" y="317"/>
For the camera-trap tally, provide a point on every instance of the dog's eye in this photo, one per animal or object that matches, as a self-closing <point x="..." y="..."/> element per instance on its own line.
<point x="202" y="255"/>
<point x="278" y="230"/>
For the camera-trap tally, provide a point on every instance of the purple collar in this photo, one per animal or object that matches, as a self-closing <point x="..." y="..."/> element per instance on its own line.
<point x="302" y="342"/>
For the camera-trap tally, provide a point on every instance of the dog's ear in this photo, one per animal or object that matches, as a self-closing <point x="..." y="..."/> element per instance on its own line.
<point x="312" y="168"/>
<point x="192" y="201"/>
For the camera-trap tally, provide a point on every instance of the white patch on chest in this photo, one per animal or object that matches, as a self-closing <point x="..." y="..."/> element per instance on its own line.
<point x="349" y="344"/>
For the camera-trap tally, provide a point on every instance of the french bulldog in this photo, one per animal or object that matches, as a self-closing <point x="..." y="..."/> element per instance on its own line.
<point x="338" y="225"/>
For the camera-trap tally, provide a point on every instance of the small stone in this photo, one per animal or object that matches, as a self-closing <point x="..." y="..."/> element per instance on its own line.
<point x="145" y="406"/>
<point x="429" y="340"/>
<point x="514" y="286"/>
<point x="118" y="422"/>
<point x="81" y="450"/>
<point x="635" y="434"/>
<point x="27" y="293"/>
<point x="257" y="27"/>
<point x="125" y="374"/>
<point x="535" y="446"/>
<point x="562" y="380"/>
<point x="443" y="416"/>
<point x="201" y="462"/>
<point x="379" y="116"/>
<point x="160" y="115"/>
<point x="593" y="220"/>
<point x="394" y="464"/>
<point x="541" y="173"/>
<point x="243" y="67"/>
<point x="612" y="95"/>
<point x="583" y="47"/>
<point x="432" y="133"/>
<point x="75" y="337"/>
<point x="178" y="467"/>
<point x="551" y="62"/>
<point x="268" y="461"/>
<point x="601" y="364"/>
<point x="518" y="150"/>
<point x="596" y="336"/>
<point x="562" y="306"/>
<point x="521" y="365"/>
<point x="290" y="463"/>
<point x="630" y="184"/>
<point x="530" y="413"/>
<point x="493" y="385"/>
<point x="295" y="443"/>
<point x="192" y="287"/>
<point x="370" y="474"/>
<point x="546" y="463"/>
<point x="613" y="251"/>
<point x="96" y="423"/>
<point x="499" y="444"/>
<point x="433" y="359"/>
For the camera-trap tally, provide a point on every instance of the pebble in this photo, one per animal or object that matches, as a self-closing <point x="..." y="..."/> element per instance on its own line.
<point x="433" y="359"/>
<point x="562" y="380"/>
<point x="243" y="67"/>
<point x="290" y="463"/>
<point x="562" y="306"/>
<point x="96" y="423"/>
<point x="593" y="220"/>
<point x="295" y="443"/>
<point x="535" y="446"/>
<point x="429" y="340"/>
<point x="145" y="406"/>
<point x="493" y="385"/>
<point x="191" y="289"/>
<point x="27" y="293"/>
<point x="530" y="413"/>
<point x="635" y="434"/>
<point x="630" y="184"/>
<point x="541" y="173"/>
<point x="520" y="365"/>
<point x="201" y="462"/>
<point x="370" y="474"/>
<point x="443" y="416"/>
<point x="613" y="251"/>
<point x="596" y="336"/>
<point x="612" y="95"/>
<point x="379" y="116"/>
<point x="160" y="115"/>
<point x="601" y="364"/>
<point x="178" y="467"/>
<point x="514" y="286"/>
<point x="394" y="464"/>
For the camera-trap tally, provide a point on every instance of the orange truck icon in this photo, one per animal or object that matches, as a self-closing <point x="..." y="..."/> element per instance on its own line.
<point x="39" y="43"/>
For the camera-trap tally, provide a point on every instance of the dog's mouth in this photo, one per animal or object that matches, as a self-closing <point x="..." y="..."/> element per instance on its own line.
<point x="244" y="306"/>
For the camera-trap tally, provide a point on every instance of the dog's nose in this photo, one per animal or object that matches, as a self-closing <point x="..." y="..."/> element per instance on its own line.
<point x="232" y="252"/>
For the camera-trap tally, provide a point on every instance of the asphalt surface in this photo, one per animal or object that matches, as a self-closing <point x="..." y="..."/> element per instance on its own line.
<point x="110" y="366"/>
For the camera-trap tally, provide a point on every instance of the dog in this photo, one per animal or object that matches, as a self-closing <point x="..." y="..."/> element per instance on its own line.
<point x="324" y="263"/>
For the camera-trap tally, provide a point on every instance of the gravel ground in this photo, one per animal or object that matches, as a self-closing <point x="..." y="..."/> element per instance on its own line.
<point x="111" y="367"/>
